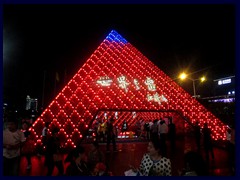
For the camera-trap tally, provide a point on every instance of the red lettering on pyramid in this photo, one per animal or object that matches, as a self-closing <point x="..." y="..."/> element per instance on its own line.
<point x="119" y="81"/>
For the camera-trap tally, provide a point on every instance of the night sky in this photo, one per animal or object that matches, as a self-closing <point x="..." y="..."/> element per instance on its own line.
<point x="60" y="38"/>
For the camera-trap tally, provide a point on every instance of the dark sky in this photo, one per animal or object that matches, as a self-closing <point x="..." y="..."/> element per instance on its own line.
<point x="59" y="38"/>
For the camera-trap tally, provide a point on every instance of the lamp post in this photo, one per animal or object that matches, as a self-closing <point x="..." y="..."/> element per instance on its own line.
<point x="183" y="76"/>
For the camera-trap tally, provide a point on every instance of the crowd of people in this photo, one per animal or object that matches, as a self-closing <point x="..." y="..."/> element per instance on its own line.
<point x="155" y="161"/>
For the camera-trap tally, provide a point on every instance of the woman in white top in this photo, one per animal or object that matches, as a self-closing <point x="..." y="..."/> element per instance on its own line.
<point x="153" y="164"/>
<point x="13" y="138"/>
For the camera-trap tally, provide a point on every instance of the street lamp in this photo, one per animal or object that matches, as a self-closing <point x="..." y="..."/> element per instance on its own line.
<point x="183" y="76"/>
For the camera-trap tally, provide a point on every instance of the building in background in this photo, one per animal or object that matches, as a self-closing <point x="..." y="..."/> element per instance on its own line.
<point x="31" y="103"/>
<point x="225" y="86"/>
<point x="31" y="112"/>
<point x="223" y="103"/>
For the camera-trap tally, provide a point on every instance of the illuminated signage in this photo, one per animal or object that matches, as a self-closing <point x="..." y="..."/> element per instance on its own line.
<point x="225" y="81"/>
<point x="136" y="83"/>
<point x="150" y="83"/>
<point x="104" y="81"/>
<point x="123" y="83"/>
<point x="156" y="98"/>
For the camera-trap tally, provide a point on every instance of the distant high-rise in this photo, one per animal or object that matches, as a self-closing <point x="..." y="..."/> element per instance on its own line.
<point x="31" y="103"/>
<point x="28" y="102"/>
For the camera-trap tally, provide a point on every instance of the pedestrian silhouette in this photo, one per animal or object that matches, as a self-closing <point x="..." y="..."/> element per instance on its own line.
<point x="197" y="132"/>
<point x="207" y="141"/>
<point x="172" y="134"/>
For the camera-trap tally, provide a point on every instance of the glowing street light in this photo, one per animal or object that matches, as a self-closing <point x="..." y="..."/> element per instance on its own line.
<point x="183" y="76"/>
<point x="202" y="79"/>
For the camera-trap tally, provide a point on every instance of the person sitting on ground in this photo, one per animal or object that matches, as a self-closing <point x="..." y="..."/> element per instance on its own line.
<point x="45" y="133"/>
<point x="172" y="134"/>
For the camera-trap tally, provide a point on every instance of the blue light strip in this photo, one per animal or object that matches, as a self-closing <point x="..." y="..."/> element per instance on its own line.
<point x="114" y="36"/>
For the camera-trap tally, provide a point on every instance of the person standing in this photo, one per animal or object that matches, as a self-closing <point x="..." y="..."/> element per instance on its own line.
<point x="197" y="132"/>
<point x="95" y="128"/>
<point x="142" y="130"/>
<point x="78" y="165"/>
<point x="147" y="130"/>
<point x="124" y="128"/>
<point x="230" y="145"/>
<point x="45" y="136"/>
<point x="102" y="131"/>
<point x="163" y="130"/>
<point x="53" y="153"/>
<point x="154" y="129"/>
<point x="111" y="135"/>
<point x="207" y="141"/>
<point x="172" y="134"/>
<point x="95" y="156"/>
<point x="12" y="141"/>
<point x="27" y="148"/>
<point x="45" y="133"/>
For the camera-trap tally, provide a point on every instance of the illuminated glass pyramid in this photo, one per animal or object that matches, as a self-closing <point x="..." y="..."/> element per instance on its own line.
<point x="119" y="81"/>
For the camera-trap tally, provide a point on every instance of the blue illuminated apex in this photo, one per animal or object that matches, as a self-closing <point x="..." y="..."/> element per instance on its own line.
<point x="114" y="36"/>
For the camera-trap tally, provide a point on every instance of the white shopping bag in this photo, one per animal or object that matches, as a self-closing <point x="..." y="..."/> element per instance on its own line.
<point x="130" y="172"/>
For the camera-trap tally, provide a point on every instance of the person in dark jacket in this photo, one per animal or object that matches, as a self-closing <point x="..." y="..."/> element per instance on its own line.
<point x="207" y="141"/>
<point x="172" y="134"/>
<point x="197" y="132"/>
<point x="111" y="135"/>
<point x="194" y="165"/>
<point x="95" y="156"/>
<point x="154" y="129"/>
<point x="78" y="165"/>
<point x="26" y="146"/>
<point x="147" y="130"/>
<point x="53" y="154"/>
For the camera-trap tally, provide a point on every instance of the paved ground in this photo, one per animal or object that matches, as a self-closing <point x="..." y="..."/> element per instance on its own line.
<point x="131" y="152"/>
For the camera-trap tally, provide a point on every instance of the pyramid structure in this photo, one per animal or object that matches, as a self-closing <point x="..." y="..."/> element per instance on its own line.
<point x="119" y="81"/>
